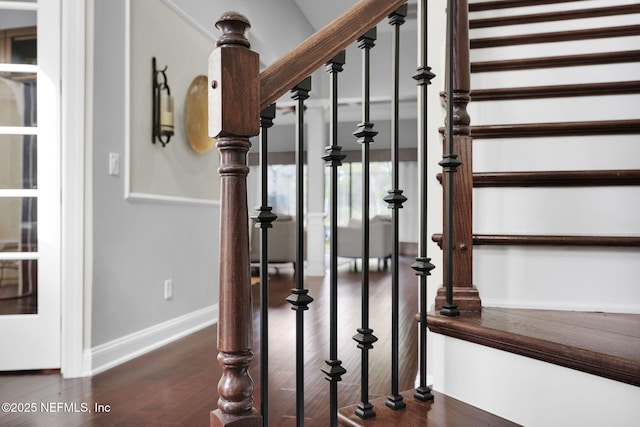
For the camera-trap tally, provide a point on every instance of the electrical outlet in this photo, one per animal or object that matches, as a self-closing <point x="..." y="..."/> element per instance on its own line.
<point x="168" y="289"/>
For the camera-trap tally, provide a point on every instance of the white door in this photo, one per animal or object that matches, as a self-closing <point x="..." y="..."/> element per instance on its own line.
<point x="29" y="184"/>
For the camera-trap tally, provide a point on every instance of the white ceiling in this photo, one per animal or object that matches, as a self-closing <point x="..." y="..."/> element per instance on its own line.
<point x="277" y="25"/>
<point x="321" y="12"/>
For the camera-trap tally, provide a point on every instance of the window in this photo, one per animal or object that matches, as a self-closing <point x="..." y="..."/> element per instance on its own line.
<point x="282" y="188"/>
<point x="350" y="190"/>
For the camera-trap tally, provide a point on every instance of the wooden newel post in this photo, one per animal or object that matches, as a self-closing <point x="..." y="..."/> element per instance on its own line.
<point x="465" y="295"/>
<point x="234" y="116"/>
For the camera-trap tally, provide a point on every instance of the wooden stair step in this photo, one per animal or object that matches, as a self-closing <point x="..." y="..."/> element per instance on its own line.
<point x="554" y="37"/>
<point x="596" y="12"/>
<point x="444" y="411"/>
<point x="532" y="130"/>
<point x="603" y="344"/>
<point x="581" y="178"/>
<point x="556" y="91"/>
<point x="549" y="240"/>
<point x="556" y="61"/>
<point x="508" y="4"/>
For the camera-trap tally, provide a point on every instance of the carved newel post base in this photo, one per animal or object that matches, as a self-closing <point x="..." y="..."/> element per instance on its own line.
<point x="234" y="117"/>
<point x="466" y="299"/>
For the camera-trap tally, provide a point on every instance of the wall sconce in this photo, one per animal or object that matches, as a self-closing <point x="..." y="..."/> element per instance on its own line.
<point x="162" y="121"/>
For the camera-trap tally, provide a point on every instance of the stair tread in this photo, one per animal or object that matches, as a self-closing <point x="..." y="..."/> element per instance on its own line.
<point x="508" y="4"/>
<point x="599" y="58"/>
<point x="554" y="37"/>
<point x="567" y="178"/>
<point x="549" y="240"/>
<point x="624" y="9"/>
<point x="556" y="91"/>
<point x="602" y="127"/>
<point x="444" y="411"/>
<point x="603" y="344"/>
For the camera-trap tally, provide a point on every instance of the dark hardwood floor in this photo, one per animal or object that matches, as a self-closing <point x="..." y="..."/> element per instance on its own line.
<point x="177" y="384"/>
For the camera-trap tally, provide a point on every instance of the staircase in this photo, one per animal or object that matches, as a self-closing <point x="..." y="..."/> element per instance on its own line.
<point x="554" y="228"/>
<point x="556" y="216"/>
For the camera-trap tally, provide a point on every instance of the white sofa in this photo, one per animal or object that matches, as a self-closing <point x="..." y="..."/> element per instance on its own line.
<point x="282" y="241"/>
<point x="380" y="239"/>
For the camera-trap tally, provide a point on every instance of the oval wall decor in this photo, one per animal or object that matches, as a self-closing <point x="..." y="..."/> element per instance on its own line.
<point x="196" y="116"/>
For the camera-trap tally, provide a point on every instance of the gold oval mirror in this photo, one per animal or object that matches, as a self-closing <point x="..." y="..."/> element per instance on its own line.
<point x="196" y="116"/>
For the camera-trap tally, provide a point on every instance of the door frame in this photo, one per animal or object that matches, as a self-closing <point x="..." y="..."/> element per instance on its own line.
<point x="74" y="252"/>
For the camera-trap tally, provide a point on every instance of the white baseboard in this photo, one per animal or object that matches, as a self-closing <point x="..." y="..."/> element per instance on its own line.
<point x="108" y="355"/>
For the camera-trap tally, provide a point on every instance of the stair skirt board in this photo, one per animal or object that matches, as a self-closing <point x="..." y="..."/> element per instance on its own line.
<point x="528" y="391"/>
<point x="113" y="353"/>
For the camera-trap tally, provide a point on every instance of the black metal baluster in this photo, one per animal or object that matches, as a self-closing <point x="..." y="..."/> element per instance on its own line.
<point x="365" y="134"/>
<point x="449" y="165"/>
<point x="423" y="265"/>
<point x="395" y="199"/>
<point x="333" y="158"/>
<point x="299" y="297"/>
<point x="263" y="219"/>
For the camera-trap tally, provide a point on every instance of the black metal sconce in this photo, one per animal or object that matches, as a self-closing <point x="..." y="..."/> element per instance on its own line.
<point x="162" y="120"/>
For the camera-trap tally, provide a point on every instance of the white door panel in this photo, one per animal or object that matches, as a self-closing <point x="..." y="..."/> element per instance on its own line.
<point x="30" y="186"/>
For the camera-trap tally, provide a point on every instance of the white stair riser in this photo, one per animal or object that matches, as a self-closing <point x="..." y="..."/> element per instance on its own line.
<point x="530" y="392"/>
<point x="556" y="76"/>
<point x="557" y="153"/>
<point x="549" y="110"/>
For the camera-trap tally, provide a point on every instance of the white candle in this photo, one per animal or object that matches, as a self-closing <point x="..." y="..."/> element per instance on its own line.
<point x="166" y="113"/>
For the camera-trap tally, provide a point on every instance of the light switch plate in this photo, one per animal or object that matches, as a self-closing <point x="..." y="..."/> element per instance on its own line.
<point x="114" y="164"/>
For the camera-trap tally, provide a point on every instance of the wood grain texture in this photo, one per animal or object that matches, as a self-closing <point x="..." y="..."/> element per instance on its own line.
<point x="532" y="130"/>
<point x="556" y="91"/>
<point x="553" y="37"/>
<point x="582" y="178"/>
<point x="555" y="16"/>
<point x="461" y="73"/>
<point x="556" y="61"/>
<point x="508" y="4"/>
<point x="462" y="214"/>
<point x="279" y="77"/>
<point x="234" y="118"/>
<point x="603" y="344"/>
<point x="176" y="384"/>
<point x="444" y="411"/>
<point x="550" y="240"/>
<point x="461" y="274"/>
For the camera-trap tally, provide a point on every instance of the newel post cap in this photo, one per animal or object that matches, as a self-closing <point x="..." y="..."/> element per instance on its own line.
<point x="234" y="81"/>
<point x="233" y="26"/>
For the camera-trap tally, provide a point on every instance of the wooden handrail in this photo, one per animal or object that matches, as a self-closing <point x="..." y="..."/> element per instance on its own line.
<point x="279" y="77"/>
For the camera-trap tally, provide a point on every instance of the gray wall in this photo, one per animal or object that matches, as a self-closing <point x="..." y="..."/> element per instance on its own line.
<point x="137" y="245"/>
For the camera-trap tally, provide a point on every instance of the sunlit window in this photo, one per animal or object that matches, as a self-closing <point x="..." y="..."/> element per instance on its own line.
<point x="350" y="190"/>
